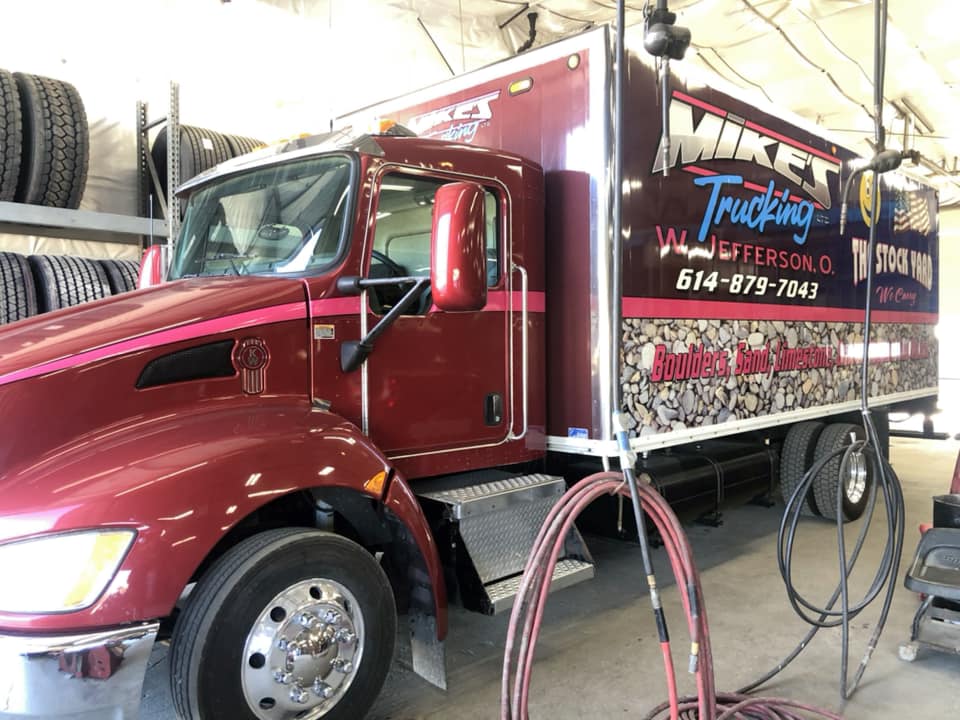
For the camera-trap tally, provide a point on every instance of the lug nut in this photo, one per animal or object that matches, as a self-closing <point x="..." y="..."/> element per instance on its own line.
<point x="299" y="695"/>
<point x="332" y="617"/>
<point x="345" y="636"/>
<point x="282" y="644"/>
<point x="341" y="665"/>
<point x="323" y="690"/>
<point x="306" y="619"/>
<point x="282" y="676"/>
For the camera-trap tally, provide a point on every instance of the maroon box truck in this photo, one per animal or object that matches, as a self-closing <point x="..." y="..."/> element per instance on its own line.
<point x="377" y="358"/>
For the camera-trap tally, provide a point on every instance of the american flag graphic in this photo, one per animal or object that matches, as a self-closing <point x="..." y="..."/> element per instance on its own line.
<point x="911" y="212"/>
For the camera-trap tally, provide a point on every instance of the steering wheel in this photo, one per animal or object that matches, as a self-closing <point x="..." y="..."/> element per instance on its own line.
<point x="396" y="270"/>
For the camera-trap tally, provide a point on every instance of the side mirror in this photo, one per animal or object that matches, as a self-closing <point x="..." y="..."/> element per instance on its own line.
<point x="152" y="266"/>
<point x="458" y="263"/>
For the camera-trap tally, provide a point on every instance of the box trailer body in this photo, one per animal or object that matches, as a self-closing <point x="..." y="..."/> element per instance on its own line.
<point x="386" y="340"/>
<point x="742" y="304"/>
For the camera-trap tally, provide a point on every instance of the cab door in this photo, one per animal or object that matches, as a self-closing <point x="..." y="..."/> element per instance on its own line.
<point x="436" y="380"/>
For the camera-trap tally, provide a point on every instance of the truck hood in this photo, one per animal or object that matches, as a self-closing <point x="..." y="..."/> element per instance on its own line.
<point x="145" y="318"/>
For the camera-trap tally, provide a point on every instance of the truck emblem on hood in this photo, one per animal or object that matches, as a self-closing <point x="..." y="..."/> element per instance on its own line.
<point x="250" y="358"/>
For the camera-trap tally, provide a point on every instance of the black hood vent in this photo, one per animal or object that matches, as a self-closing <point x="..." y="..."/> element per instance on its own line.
<point x="201" y="362"/>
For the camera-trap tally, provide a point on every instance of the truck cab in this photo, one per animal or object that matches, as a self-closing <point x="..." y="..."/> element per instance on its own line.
<point x="342" y="316"/>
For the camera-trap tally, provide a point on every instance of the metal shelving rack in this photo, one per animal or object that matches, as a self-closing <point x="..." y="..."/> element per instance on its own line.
<point x="149" y="181"/>
<point x="22" y="219"/>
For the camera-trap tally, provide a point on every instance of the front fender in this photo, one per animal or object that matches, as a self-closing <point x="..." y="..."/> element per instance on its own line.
<point x="183" y="481"/>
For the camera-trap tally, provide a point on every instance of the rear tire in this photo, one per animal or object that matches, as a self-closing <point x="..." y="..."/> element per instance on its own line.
<point x="11" y="136"/>
<point x="295" y="604"/>
<point x="64" y="281"/>
<point x="854" y="496"/>
<point x="19" y="294"/>
<point x="799" y="450"/>
<point x="56" y="143"/>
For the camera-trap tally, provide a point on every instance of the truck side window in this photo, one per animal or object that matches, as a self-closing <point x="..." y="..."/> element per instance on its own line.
<point x="401" y="241"/>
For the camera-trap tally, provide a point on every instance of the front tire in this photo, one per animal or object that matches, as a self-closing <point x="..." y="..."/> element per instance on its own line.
<point x="290" y="623"/>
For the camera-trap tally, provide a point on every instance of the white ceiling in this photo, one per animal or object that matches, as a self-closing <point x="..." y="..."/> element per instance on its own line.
<point x="814" y="57"/>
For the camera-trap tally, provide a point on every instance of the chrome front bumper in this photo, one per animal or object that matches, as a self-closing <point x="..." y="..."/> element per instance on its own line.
<point x="94" y="676"/>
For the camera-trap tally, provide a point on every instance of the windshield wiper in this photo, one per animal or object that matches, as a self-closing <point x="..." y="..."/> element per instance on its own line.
<point x="237" y="269"/>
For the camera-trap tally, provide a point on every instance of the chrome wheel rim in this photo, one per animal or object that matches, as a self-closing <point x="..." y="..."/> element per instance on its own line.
<point x="303" y="651"/>
<point x="856" y="484"/>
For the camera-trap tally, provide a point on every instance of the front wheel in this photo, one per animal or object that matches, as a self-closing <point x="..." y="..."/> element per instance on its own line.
<point x="290" y="623"/>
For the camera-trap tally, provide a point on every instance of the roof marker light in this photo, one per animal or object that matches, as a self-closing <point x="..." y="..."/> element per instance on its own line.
<point x="518" y="87"/>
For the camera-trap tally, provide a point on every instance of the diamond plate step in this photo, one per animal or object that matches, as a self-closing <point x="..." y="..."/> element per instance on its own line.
<point x="501" y="594"/>
<point x="497" y="494"/>
<point x="492" y="526"/>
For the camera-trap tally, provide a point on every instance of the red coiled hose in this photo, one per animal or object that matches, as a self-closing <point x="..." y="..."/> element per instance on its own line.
<point x="527" y="615"/>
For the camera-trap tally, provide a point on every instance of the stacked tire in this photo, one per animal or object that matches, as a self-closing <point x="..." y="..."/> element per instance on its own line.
<point x="42" y="283"/>
<point x="11" y="136"/>
<point x="19" y="299"/>
<point x="44" y="141"/>
<point x="200" y="150"/>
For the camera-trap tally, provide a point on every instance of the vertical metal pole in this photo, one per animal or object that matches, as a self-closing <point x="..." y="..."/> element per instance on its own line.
<point x="143" y="174"/>
<point x="173" y="166"/>
<point x="616" y="284"/>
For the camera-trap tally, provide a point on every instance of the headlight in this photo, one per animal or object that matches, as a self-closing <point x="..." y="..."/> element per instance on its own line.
<point x="60" y="573"/>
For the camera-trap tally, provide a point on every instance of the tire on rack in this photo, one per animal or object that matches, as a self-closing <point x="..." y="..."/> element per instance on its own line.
<point x="56" y="142"/>
<point x="11" y="136"/>
<point x="305" y="603"/>
<point x="856" y="480"/>
<point x="200" y="150"/>
<point x="240" y="145"/>
<point x="19" y="299"/>
<point x="121" y="274"/>
<point x="796" y="457"/>
<point x="63" y="281"/>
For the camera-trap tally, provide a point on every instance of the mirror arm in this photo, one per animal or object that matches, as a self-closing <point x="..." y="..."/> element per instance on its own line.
<point x="354" y="352"/>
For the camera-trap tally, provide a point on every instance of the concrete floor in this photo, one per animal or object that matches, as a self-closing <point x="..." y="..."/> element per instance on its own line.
<point x="598" y="656"/>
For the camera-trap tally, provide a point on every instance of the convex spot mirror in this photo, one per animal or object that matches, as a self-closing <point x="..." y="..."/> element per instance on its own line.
<point x="458" y="267"/>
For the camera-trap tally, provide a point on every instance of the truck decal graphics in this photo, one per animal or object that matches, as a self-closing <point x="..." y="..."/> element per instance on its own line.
<point x="458" y="122"/>
<point x="722" y="135"/>
<point x="688" y="373"/>
<point x="771" y="207"/>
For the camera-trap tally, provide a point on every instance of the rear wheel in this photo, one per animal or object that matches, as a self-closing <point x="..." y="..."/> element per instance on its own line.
<point x="854" y="476"/>
<point x="287" y="624"/>
<point x="799" y="450"/>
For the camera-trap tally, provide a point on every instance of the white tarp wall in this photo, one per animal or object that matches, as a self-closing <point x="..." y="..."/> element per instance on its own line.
<point x="244" y="67"/>
<point x="275" y="68"/>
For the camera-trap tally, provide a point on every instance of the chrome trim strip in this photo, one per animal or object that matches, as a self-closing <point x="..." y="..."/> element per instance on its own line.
<point x="605" y="337"/>
<point x="524" y="350"/>
<point x="709" y="432"/>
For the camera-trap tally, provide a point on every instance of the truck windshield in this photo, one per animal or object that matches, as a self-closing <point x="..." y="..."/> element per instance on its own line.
<point x="286" y="218"/>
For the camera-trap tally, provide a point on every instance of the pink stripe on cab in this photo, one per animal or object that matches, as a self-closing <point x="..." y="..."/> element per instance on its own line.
<point x="497" y="301"/>
<point x="326" y="307"/>
<point x="227" y="323"/>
